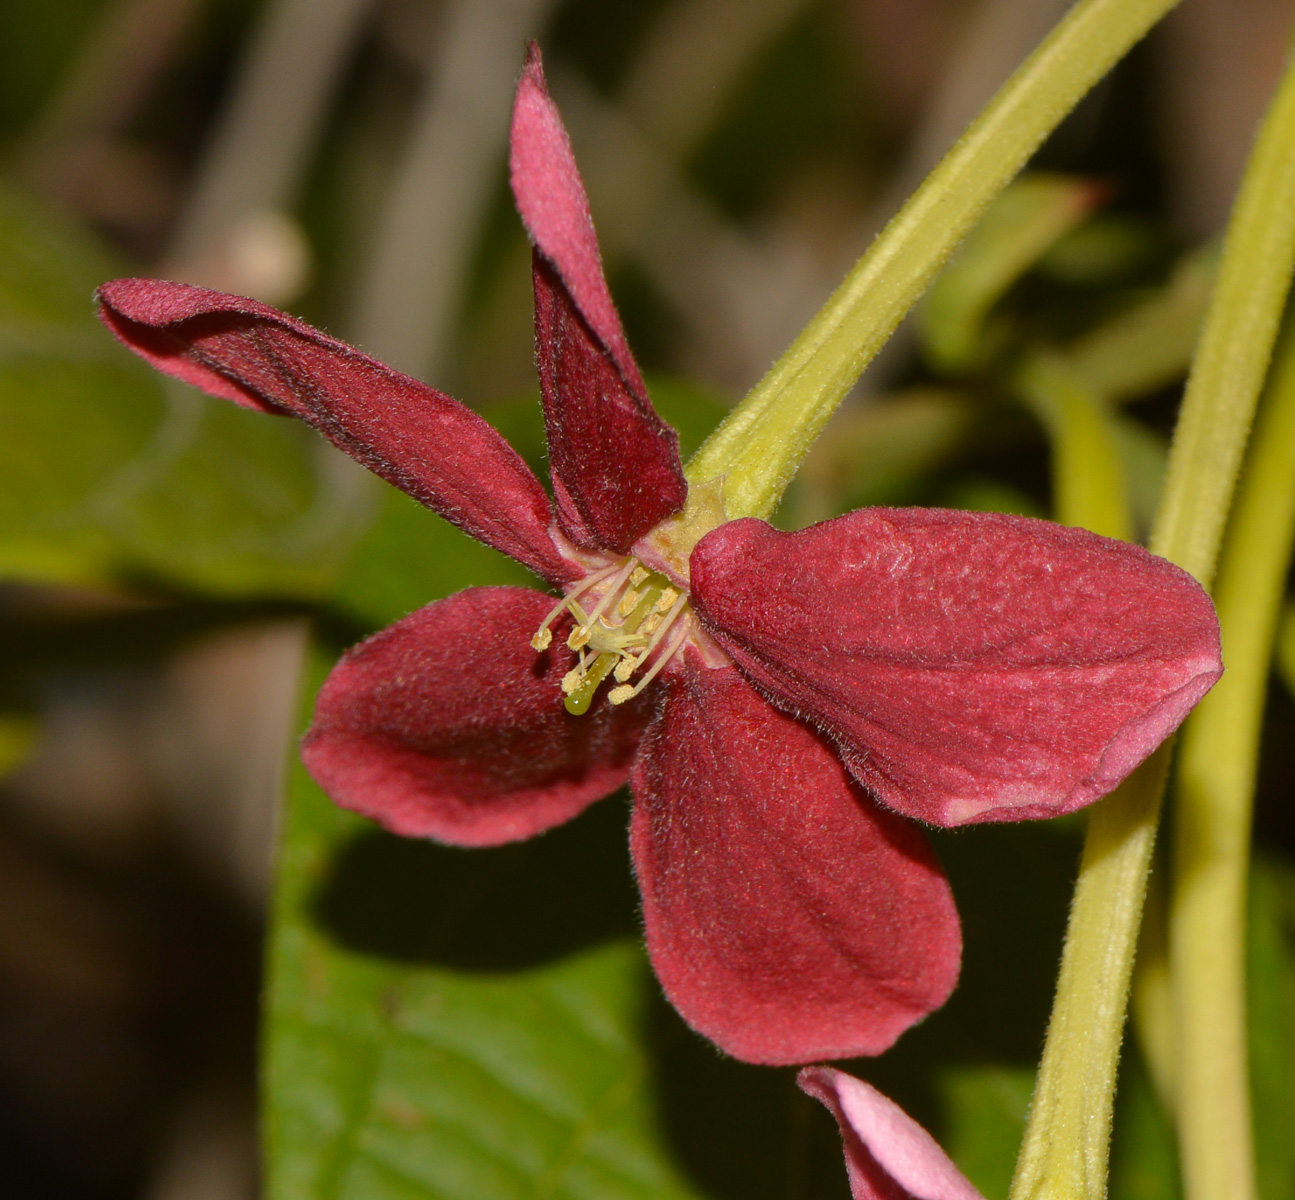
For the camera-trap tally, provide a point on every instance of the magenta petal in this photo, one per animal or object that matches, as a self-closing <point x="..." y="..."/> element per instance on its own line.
<point x="972" y="666"/>
<point x="788" y="917"/>
<point x="615" y="463"/>
<point x="417" y="438"/>
<point x="888" y="1155"/>
<point x="449" y="725"/>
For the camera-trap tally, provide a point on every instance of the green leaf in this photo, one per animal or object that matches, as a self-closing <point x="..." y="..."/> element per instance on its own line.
<point x="1144" y="1158"/>
<point x="882" y="453"/>
<point x="411" y="557"/>
<point x="1270" y="1001"/>
<point x="984" y="1117"/>
<point x="110" y="472"/>
<point x="1016" y="230"/>
<point x="1149" y="345"/>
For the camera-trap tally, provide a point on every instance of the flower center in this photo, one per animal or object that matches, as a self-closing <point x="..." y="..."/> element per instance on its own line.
<point x="637" y="615"/>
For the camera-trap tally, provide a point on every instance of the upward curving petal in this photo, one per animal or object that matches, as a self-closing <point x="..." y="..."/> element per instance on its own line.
<point x="888" y="1155"/>
<point x="788" y="917"/>
<point x="971" y="666"/>
<point x="615" y="463"/>
<point x="448" y="725"/>
<point x="421" y="440"/>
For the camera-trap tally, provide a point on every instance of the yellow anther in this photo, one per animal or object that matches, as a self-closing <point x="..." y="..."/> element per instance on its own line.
<point x="572" y="680"/>
<point x="628" y="601"/>
<point x="625" y="668"/>
<point x="640" y="574"/>
<point x="579" y="637"/>
<point x="648" y="628"/>
<point x="666" y="603"/>
<point x="620" y="695"/>
<point x="542" y="639"/>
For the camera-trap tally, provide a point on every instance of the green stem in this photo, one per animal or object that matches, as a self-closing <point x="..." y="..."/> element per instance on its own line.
<point x="1088" y="484"/>
<point x="1065" y="1149"/>
<point x="1213" y="798"/>
<point x="762" y="442"/>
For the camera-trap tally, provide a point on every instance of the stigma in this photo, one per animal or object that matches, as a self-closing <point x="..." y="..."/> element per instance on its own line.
<point x="637" y="621"/>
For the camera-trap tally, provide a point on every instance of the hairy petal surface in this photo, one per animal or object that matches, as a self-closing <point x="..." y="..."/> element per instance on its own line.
<point x="421" y="440"/>
<point x="888" y="1155"/>
<point x="615" y="463"/>
<point x="788" y="917"/>
<point x="972" y="666"/>
<point x="449" y="725"/>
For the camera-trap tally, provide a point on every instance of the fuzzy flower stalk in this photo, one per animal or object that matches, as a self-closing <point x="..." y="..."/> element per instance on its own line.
<point x="784" y="706"/>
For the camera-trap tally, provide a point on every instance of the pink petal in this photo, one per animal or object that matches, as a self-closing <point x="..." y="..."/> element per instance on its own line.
<point x="615" y="463"/>
<point x="415" y="437"/>
<point x="449" y="725"/>
<point x="788" y="917"/>
<point x="972" y="666"/>
<point x="888" y="1155"/>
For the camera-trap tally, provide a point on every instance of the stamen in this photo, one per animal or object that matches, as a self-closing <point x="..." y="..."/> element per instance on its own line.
<point x="640" y="574"/>
<point x="661" y="629"/>
<point x="610" y="594"/>
<point x="543" y="637"/>
<point x="667" y="600"/>
<point x="625" y="692"/>
<point x="625" y="668"/>
<point x="628" y="601"/>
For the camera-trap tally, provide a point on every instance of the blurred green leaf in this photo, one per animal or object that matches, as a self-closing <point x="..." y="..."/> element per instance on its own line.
<point x="1271" y="1017"/>
<point x="1016" y="229"/>
<point x="1150" y="344"/>
<point x="466" y="1024"/>
<point x="982" y="493"/>
<point x="1144" y="1158"/>
<point x="111" y="472"/>
<point x="1103" y="251"/>
<point x="984" y="1118"/>
<point x="1087" y="471"/>
<point x="1144" y="453"/>
<point x="692" y="409"/>
<point x="411" y="557"/>
<point x="882" y="453"/>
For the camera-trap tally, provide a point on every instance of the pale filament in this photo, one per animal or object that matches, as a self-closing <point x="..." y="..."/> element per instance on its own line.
<point x="626" y="571"/>
<point x="631" y="663"/>
<point x="625" y="692"/>
<point x="542" y="636"/>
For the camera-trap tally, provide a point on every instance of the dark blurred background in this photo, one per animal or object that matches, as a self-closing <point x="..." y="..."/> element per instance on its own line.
<point x="345" y="159"/>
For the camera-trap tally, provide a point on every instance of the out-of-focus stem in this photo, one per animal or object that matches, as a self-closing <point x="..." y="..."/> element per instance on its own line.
<point x="428" y="231"/>
<point x="1214" y="795"/>
<point x="1065" y="1149"/>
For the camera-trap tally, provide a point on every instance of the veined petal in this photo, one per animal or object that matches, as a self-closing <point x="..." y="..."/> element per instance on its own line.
<point x="448" y="725"/>
<point x="615" y="463"/>
<point x="788" y="917"/>
<point x="888" y="1155"/>
<point x="421" y="440"/>
<point x="971" y="666"/>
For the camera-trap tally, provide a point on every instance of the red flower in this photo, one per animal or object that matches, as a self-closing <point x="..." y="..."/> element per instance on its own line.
<point x="954" y="667"/>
